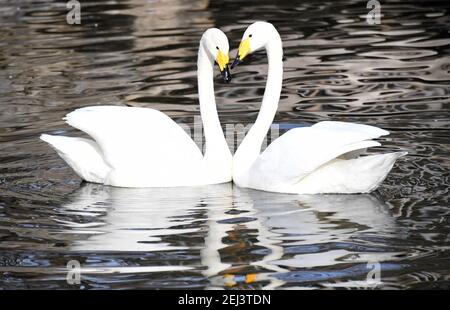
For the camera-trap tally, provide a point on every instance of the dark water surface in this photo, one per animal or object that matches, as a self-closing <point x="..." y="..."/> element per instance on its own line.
<point x="143" y="53"/>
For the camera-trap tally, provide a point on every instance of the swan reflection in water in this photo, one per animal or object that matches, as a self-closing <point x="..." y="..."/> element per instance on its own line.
<point x="163" y="219"/>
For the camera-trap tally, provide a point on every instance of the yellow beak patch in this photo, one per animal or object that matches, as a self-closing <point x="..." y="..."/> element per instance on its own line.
<point x="244" y="48"/>
<point x="222" y="60"/>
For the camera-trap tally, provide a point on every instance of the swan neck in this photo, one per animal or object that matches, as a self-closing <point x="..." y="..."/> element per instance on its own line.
<point x="250" y="147"/>
<point x="215" y="143"/>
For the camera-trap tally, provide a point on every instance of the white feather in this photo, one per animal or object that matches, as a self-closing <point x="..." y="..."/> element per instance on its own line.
<point x="323" y="158"/>
<point x="141" y="147"/>
<point x="82" y="155"/>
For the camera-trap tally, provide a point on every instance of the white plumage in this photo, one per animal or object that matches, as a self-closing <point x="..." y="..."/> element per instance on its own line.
<point x="141" y="147"/>
<point x="323" y="158"/>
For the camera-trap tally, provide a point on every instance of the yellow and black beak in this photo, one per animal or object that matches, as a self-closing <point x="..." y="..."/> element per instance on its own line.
<point x="244" y="50"/>
<point x="222" y="61"/>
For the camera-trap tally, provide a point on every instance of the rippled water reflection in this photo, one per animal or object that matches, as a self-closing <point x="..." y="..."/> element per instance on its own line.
<point x="138" y="53"/>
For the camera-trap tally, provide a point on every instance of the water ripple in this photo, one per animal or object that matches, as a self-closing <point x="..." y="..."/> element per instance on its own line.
<point x="395" y="75"/>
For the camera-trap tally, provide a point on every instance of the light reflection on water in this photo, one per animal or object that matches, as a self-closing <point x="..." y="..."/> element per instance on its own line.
<point x="139" y="53"/>
<point x="100" y="219"/>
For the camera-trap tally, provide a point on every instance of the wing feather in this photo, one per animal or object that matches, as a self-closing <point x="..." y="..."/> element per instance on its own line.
<point x="301" y="151"/>
<point x="131" y="136"/>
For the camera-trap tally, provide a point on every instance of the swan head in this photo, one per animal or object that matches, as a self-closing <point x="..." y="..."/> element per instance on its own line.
<point x="215" y="42"/>
<point x="255" y="37"/>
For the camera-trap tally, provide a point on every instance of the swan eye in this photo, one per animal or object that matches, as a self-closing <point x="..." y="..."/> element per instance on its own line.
<point x="249" y="35"/>
<point x="217" y="48"/>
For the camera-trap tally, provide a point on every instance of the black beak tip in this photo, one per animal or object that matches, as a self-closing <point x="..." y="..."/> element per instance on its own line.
<point x="226" y="74"/>
<point x="236" y="61"/>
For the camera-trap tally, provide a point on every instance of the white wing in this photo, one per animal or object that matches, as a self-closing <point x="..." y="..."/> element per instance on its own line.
<point x="132" y="137"/>
<point x="300" y="151"/>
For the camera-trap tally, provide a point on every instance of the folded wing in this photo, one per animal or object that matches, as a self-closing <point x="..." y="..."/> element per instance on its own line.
<point x="301" y="151"/>
<point x="136" y="138"/>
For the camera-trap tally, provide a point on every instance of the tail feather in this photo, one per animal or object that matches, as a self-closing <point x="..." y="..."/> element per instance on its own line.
<point x="82" y="155"/>
<point x="358" y="175"/>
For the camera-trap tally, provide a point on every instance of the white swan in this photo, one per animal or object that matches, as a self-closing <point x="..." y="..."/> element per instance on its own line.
<point x="323" y="158"/>
<point x="140" y="147"/>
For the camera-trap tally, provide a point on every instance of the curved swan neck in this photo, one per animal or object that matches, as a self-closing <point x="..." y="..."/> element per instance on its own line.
<point x="250" y="147"/>
<point x="216" y="146"/>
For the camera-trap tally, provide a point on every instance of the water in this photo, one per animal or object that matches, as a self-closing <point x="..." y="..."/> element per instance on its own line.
<point x="143" y="53"/>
